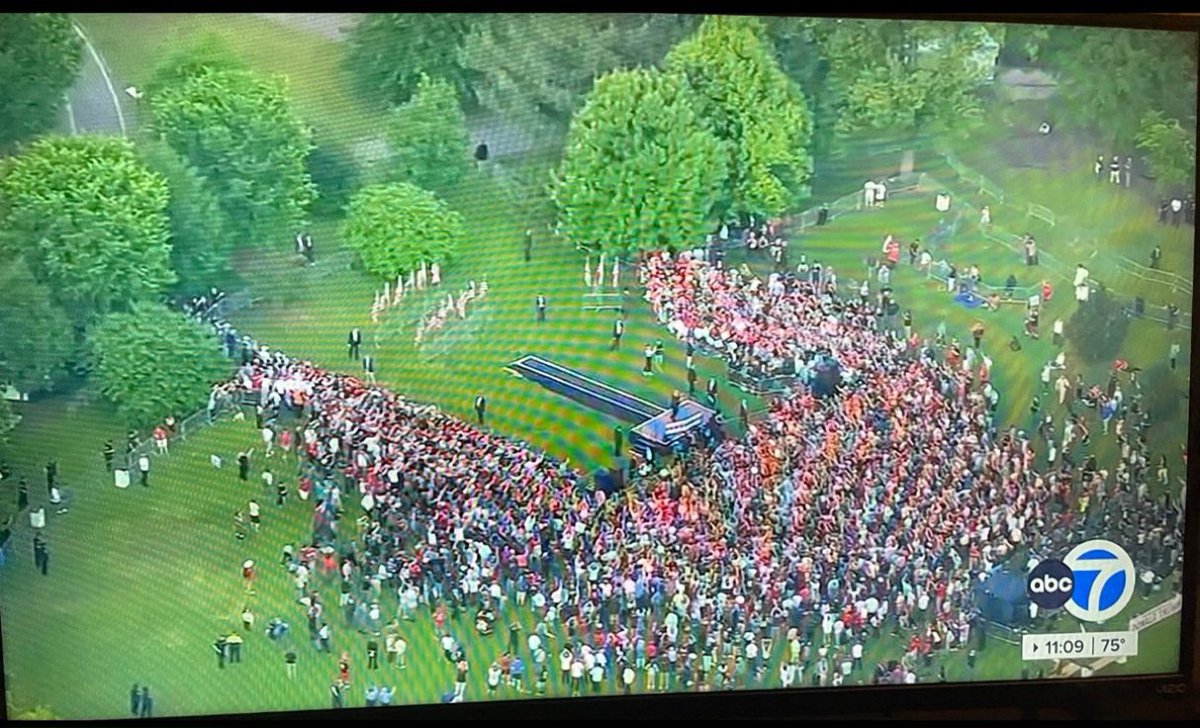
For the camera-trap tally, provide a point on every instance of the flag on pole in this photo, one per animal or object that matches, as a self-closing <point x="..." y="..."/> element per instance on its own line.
<point x="587" y="271"/>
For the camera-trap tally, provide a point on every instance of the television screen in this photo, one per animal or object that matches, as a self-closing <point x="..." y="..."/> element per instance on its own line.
<point x="418" y="359"/>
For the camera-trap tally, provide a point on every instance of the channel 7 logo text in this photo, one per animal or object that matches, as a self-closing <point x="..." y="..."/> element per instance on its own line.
<point x="1094" y="581"/>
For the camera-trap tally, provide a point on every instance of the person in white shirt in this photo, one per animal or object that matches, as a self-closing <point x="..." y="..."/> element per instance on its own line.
<point x="268" y="438"/>
<point x="787" y="674"/>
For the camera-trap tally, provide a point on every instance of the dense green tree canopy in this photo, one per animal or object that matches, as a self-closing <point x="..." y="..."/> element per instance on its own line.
<point x="1170" y="149"/>
<point x="36" y="337"/>
<point x="201" y="237"/>
<point x="238" y="130"/>
<point x="428" y="135"/>
<point x="1098" y="327"/>
<point x="153" y="362"/>
<point x="40" y="53"/>
<point x="1109" y="77"/>
<point x="6" y="427"/>
<point x="394" y="227"/>
<point x="757" y="113"/>
<point x="536" y="69"/>
<point x="210" y="51"/>
<point x="90" y="219"/>
<point x="388" y="52"/>
<point x="906" y="74"/>
<point x="641" y="169"/>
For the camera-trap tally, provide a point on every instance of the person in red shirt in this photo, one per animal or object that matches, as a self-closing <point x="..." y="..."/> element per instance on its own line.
<point x="160" y="439"/>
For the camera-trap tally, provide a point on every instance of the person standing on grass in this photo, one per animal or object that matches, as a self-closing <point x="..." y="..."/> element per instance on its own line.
<point x="221" y="646"/>
<point x="368" y="364"/>
<point x="243" y="460"/>
<point x="617" y="332"/>
<point x="528" y="245"/>
<point x="648" y="369"/>
<point x="108" y="453"/>
<point x="1114" y="170"/>
<point x="280" y="493"/>
<point x="234" y="640"/>
<point x="1173" y="356"/>
<point x="144" y="468"/>
<point x="255" y="515"/>
<point x="540" y="304"/>
<point x="160" y="439"/>
<point x="354" y="343"/>
<point x="692" y="377"/>
<point x="618" y="440"/>
<point x="659" y="354"/>
<point x="977" y="331"/>
<point x="268" y="479"/>
<point x="268" y="438"/>
<point x="335" y="695"/>
<point x="289" y="664"/>
<point x="247" y="619"/>
<point x="712" y="391"/>
<point x="135" y="701"/>
<point x="147" y="702"/>
<point x="372" y="654"/>
<point x="460" y="679"/>
<point x="480" y="408"/>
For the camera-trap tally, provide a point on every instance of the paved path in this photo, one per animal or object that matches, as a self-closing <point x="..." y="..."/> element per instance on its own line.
<point x="94" y="103"/>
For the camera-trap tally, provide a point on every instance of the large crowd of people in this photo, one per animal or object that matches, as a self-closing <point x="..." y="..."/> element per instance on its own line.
<point x="834" y="519"/>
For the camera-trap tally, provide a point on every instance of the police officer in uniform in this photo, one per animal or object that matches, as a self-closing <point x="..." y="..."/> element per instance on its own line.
<point x="354" y="343"/>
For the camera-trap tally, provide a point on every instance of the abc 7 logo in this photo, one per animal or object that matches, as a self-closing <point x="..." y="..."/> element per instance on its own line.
<point x="1094" y="582"/>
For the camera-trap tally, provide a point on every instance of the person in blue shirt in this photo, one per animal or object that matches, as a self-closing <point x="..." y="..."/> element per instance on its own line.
<point x="385" y="695"/>
<point x="372" y="696"/>
<point x="516" y="671"/>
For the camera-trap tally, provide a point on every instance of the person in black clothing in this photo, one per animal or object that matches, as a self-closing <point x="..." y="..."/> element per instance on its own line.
<point x="309" y="254"/>
<point x="1156" y="256"/>
<point x="712" y="392"/>
<point x="618" y="440"/>
<point x="528" y="245"/>
<point x="22" y="496"/>
<point x="372" y="654"/>
<point x="280" y="493"/>
<point x="354" y="343"/>
<point x="618" y="330"/>
<point x="1164" y="207"/>
<point x="132" y="442"/>
<point x="689" y="352"/>
<point x="1189" y="210"/>
<point x="135" y="700"/>
<point x="675" y="397"/>
<point x="108" y="455"/>
<point x="540" y="303"/>
<point x="147" y="703"/>
<point x="691" y="377"/>
<point x="221" y="647"/>
<point x="51" y="474"/>
<point x="41" y="556"/>
<point x="243" y="460"/>
<point x="480" y="407"/>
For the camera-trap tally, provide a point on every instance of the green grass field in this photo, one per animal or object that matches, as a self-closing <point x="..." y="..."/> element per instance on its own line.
<point x="142" y="580"/>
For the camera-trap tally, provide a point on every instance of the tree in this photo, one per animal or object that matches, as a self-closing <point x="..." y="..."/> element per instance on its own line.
<point x="758" y="114"/>
<point x="335" y="174"/>
<point x="7" y="421"/>
<point x="1098" y="327"/>
<point x="210" y="51"/>
<point x="201" y="238"/>
<point x="388" y="52"/>
<point x="1108" y="76"/>
<point x="641" y="169"/>
<point x="90" y="219"/>
<point x="37" y="339"/>
<point x="1170" y="149"/>
<point x="907" y="74"/>
<point x="240" y="133"/>
<point x="153" y="362"/>
<point x="40" y="54"/>
<point x="536" y="69"/>
<point x="429" y="136"/>
<point x="394" y="227"/>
